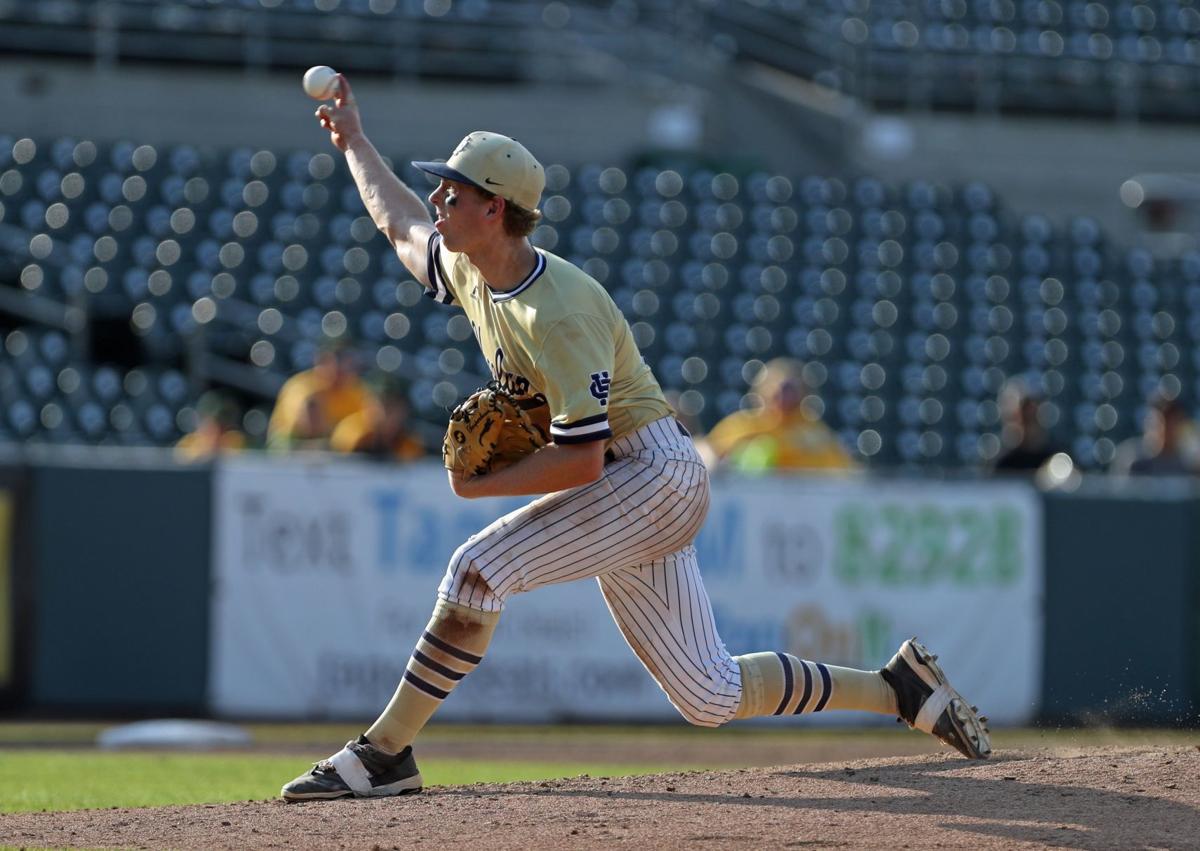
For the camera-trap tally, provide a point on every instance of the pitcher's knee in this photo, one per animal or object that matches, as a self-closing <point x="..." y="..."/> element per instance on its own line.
<point x="465" y="583"/>
<point x="697" y="719"/>
<point x="712" y="710"/>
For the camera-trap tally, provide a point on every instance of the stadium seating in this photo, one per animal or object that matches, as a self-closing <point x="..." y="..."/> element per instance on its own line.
<point x="1066" y="56"/>
<point x="487" y="40"/>
<point x="145" y="275"/>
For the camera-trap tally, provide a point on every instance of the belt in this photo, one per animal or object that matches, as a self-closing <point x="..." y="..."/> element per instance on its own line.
<point x="610" y="456"/>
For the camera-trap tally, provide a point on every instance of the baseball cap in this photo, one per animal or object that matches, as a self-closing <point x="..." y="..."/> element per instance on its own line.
<point x="495" y="164"/>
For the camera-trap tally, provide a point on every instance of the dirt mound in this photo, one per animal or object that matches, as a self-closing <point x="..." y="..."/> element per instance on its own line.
<point x="1095" y="798"/>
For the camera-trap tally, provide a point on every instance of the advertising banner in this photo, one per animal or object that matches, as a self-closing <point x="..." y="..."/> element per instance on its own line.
<point x="325" y="573"/>
<point x="843" y="571"/>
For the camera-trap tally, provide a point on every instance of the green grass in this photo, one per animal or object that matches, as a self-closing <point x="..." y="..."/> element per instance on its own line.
<point x="319" y="735"/>
<point x="54" y="766"/>
<point x="75" y="780"/>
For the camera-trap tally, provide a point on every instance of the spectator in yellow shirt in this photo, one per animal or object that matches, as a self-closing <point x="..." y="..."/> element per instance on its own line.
<point x="780" y="433"/>
<point x="216" y="430"/>
<point x="382" y="432"/>
<point x="312" y="403"/>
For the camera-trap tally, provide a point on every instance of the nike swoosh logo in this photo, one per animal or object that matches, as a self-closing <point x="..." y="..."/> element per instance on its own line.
<point x="491" y="182"/>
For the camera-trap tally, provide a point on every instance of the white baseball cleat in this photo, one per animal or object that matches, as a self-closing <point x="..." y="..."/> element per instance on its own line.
<point x="928" y="702"/>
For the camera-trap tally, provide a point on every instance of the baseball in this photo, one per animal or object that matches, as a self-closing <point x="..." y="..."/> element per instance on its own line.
<point x="320" y="82"/>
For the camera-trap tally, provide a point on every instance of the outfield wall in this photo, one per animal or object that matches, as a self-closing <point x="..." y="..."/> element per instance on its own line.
<point x="325" y="574"/>
<point x="295" y="588"/>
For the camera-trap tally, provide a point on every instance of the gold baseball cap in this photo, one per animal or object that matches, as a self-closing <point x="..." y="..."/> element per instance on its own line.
<point x="495" y="164"/>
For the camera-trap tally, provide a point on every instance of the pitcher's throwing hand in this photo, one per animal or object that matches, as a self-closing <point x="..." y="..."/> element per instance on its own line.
<point x="341" y="119"/>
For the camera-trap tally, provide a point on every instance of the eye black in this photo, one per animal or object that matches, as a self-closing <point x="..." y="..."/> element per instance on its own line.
<point x="452" y="201"/>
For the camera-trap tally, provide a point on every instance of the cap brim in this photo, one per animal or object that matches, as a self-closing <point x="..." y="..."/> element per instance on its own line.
<point x="439" y="169"/>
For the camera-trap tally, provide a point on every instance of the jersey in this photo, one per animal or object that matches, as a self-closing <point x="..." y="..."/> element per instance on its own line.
<point x="767" y="439"/>
<point x="334" y="405"/>
<point x="556" y="336"/>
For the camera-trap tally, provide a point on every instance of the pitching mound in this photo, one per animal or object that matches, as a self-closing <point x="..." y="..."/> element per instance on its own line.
<point x="1116" y="798"/>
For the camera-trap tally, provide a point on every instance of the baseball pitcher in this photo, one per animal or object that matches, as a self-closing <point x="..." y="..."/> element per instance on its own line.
<point x="624" y="490"/>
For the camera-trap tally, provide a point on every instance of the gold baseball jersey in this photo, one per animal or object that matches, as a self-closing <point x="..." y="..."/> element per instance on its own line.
<point x="556" y="336"/>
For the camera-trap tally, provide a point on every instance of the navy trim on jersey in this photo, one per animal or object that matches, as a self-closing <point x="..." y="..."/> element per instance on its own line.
<point x="582" y="431"/>
<point x="787" y="683"/>
<point x="438" y="291"/>
<point x="504" y="295"/>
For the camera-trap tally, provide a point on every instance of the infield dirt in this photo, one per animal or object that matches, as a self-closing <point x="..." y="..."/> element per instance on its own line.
<point x="1115" y="798"/>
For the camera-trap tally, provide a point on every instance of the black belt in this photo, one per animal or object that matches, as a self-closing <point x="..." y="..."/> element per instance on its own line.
<point x="610" y="456"/>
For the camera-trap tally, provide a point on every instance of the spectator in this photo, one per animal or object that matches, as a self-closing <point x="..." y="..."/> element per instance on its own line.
<point x="781" y="432"/>
<point x="216" y="430"/>
<point x="1026" y="443"/>
<point x="1166" y="445"/>
<point x="312" y="403"/>
<point x="382" y="431"/>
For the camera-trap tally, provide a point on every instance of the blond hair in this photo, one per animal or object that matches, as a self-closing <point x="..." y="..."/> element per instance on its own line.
<point x="518" y="222"/>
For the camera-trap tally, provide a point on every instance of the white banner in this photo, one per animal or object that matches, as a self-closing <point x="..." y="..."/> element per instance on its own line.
<point x="326" y="572"/>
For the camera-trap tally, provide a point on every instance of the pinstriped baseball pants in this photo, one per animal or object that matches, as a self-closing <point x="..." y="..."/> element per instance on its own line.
<point x="633" y="530"/>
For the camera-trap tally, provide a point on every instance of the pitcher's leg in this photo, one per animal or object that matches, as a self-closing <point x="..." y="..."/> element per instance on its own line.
<point x="663" y="611"/>
<point x="380" y="762"/>
<point x="557" y="538"/>
<point x="451" y="647"/>
<point x="912" y="686"/>
<point x="782" y="684"/>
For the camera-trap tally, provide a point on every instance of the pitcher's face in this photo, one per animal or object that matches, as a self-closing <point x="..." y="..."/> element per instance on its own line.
<point x="463" y="214"/>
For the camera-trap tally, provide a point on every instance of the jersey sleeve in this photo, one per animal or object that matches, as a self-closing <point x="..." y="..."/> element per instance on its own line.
<point x="576" y="363"/>
<point x="440" y="263"/>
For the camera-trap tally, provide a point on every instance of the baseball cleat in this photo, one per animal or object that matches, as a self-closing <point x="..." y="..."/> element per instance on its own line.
<point x="359" y="770"/>
<point x="928" y="702"/>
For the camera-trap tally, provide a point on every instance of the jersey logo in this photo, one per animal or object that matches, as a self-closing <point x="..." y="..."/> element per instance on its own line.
<point x="510" y="382"/>
<point x="600" y="384"/>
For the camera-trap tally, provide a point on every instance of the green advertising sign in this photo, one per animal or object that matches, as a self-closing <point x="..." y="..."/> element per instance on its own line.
<point x="922" y="544"/>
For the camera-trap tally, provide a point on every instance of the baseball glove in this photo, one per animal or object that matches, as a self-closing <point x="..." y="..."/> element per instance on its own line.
<point x="489" y="431"/>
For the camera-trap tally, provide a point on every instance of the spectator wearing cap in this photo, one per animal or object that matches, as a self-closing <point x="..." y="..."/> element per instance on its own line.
<point x="216" y="430"/>
<point x="1026" y="444"/>
<point x="1166" y="447"/>
<point x="312" y="403"/>
<point x="781" y="432"/>
<point x="382" y="432"/>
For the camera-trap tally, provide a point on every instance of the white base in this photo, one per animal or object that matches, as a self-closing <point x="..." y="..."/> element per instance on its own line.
<point x="174" y="733"/>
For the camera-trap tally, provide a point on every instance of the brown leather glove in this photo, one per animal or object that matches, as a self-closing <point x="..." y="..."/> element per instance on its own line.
<point x="488" y="431"/>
